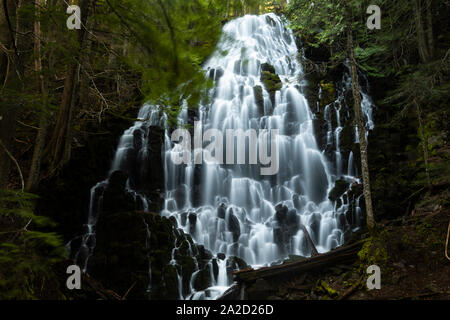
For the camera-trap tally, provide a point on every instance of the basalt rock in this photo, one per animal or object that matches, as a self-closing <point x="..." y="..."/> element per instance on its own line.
<point x="124" y="258"/>
<point x="271" y="80"/>
<point x="215" y="74"/>
<point x="259" y="98"/>
<point x="287" y="226"/>
<point x="340" y="186"/>
<point x="234" y="226"/>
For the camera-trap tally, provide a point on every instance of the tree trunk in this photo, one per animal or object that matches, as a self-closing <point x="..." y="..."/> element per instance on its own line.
<point x="430" y="29"/>
<point x="59" y="148"/>
<point x="13" y="80"/>
<point x="361" y="128"/>
<point x="33" y="176"/>
<point x="332" y="258"/>
<point x="424" y="142"/>
<point x="421" y="43"/>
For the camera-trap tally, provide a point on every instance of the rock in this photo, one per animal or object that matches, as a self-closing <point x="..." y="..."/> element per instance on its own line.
<point x="234" y="226"/>
<point x="237" y="263"/>
<point x="281" y="213"/>
<point x="192" y="217"/>
<point x="183" y="218"/>
<point x="115" y="198"/>
<point x="271" y="80"/>
<point x="183" y="249"/>
<point x="202" y="280"/>
<point x="171" y="282"/>
<point x="221" y="210"/>
<point x="203" y="253"/>
<point x="278" y="237"/>
<point x="267" y="67"/>
<point x="259" y="98"/>
<point x="342" y="220"/>
<point x="320" y="128"/>
<point x="328" y="93"/>
<point x="174" y="221"/>
<point x="187" y="268"/>
<point x="292" y="219"/>
<point x="215" y="74"/>
<point x="340" y="187"/>
<point x="221" y="256"/>
<point x="233" y="249"/>
<point x="299" y="202"/>
<point x="215" y="268"/>
<point x="122" y="258"/>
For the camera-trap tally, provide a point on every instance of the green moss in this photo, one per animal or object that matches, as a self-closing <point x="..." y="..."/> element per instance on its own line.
<point x="374" y="252"/>
<point x="322" y="286"/>
<point x="259" y="98"/>
<point x="272" y="82"/>
<point x="328" y="93"/>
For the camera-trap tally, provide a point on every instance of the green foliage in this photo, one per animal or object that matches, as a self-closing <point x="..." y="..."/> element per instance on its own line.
<point x="322" y="20"/>
<point x="166" y="42"/>
<point x="374" y="252"/>
<point x="27" y="257"/>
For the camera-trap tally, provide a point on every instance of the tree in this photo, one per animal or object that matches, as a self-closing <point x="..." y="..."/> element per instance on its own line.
<point x="60" y="145"/>
<point x="13" y="43"/>
<point x="359" y="122"/>
<point x="331" y="23"/>
<point x="33" y="176"/>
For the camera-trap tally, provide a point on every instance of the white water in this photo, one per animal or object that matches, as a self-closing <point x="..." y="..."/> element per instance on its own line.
<point x="234" y="205"/>
<point x="246" y="228"/>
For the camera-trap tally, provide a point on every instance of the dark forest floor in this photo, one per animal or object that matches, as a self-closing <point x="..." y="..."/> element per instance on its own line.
<point x="409" y="251"/>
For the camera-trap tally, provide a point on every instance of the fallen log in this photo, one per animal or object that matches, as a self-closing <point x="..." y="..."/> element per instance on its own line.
<point x="339" y="255"/>
<point x="314" y="251"/>
<point x="105" y="294"/>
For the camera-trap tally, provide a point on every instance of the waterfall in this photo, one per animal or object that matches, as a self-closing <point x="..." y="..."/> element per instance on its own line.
<point x="232" y="209"/>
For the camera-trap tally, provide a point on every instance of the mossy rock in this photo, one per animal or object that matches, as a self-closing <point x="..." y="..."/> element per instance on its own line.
<point x="267" y="67"/>
<point x="259" y="99"/>
<point x="237" y="263"/>
<point x="328" y="93"/>
<point x="271" y="80"/>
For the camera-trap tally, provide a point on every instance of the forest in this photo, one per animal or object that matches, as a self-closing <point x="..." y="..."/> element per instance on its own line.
<point x="92" y="92"/>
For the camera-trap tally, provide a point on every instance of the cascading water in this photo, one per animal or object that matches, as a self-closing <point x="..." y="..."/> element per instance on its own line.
<point x="232" y="209"/>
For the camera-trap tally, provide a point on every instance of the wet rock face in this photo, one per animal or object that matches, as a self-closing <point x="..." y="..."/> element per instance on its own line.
<point x="115" y="198"/>
<point x="287" y="226"/>
<point x="215" y="74"/>
<point x="234" y="226"/>
<point x="259" y="99"/>
<point x="271" y="80"/>
<point x="143" y="165"/>
<point x="129" y="243"/>
<point x="340" y="186"/>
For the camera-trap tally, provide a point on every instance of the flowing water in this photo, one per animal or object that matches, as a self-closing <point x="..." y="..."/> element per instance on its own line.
<point x="232" y="208"/>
